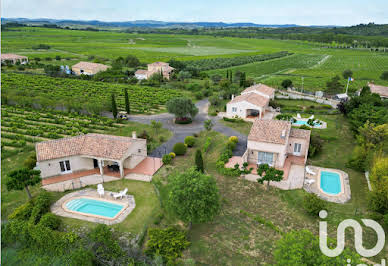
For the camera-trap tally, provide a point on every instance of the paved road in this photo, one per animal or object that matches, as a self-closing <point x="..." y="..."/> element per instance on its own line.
<point x="182" y="131"/>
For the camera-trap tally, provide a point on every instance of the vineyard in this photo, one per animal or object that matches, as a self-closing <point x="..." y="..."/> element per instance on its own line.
<point x="21" y="128"/>
<point x="72" y="94"/>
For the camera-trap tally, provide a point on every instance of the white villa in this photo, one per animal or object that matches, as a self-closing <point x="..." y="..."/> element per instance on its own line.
<point x="157" y="67"/>
<point x="94" y="156"/>
<point x="252" y="102"/>
<point x="88" y="68"/>
<point x="14" y="58"/>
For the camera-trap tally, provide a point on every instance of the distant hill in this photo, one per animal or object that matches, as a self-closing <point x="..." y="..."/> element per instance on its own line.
<point x="150" y="23"/>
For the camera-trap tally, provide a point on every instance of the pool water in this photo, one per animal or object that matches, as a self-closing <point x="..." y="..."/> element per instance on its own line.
<point x="303" y="122"/>
<point x="95" y="207"/>
<point x="330" y="182"/>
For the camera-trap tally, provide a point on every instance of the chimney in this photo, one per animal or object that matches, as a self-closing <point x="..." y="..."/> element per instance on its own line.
<point x="134" y="134"/>
<point x="232" y="96"/>
<point x="283" y="134"/>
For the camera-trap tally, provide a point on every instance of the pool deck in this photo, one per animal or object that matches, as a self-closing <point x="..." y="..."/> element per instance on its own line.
<point x="342" y="197"/>
<point x="321" y="126"/>
<point x="128" y="201"/>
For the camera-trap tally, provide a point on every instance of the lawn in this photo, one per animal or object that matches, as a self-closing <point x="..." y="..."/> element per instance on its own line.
<point x="241" y="126"/>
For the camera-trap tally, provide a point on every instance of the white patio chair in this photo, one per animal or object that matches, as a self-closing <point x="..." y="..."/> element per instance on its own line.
<point x="309" y="171"/>
<point x="309" y="181"/>
<point x="298" y="116"/>
<point x="121" y="194"/>
<point x="100" y="190"/>
<point x="311" y="117"/>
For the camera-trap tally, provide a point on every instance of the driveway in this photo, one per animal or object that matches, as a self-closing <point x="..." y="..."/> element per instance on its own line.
<point x="182" y="131"/>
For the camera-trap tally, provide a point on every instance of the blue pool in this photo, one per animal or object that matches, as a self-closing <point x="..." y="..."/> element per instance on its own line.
<point x="330" y="182"/>
<point x="94" y="206"/>
<point x="303" y="122"/>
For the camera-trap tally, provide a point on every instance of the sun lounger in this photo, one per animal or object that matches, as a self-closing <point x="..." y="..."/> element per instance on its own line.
<point x="309" y="181"/>
<point x="309" y="171"/>
<point x="100" y="190"/>
<point x="298" y="116"/>
<point x="121" y="194"/>
<point x="311" y="117"/>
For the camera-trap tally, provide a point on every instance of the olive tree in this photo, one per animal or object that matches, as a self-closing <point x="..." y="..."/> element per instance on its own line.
<point x="21" y="179"/>
<point x="182" y="108"/>
<point x="268" y="173"/>
<point x="193" y="196"/>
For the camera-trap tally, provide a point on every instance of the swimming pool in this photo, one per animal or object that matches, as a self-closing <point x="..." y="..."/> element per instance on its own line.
<point x="303" y="122"/>
<point x="97" y="207"/>
<point x="330" y="182"/>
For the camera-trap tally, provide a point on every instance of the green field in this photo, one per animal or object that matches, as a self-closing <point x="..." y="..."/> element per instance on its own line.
<point x="316" y="65"/>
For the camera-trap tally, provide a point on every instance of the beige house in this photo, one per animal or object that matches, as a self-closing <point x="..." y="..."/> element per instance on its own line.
<point x="378" y="89"/>
<point x="87" y="152"/>
<point x="87" y="68"/>
<point x="14" y="58"/>
<point x="253" y="102"/>
<point x="274" y="142"/>
<point x="157" y="67"/>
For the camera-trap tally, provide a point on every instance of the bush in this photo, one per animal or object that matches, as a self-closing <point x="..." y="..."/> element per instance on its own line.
<point x="286" y="117"/>
<point x="316" y="144"/>
<point x="384" y="75"/>
<point x="183" y="120"/>
<point x="207" y="144"/>
<point x="179" y="148"/>
<point x="168" y="243"/>
<point x="172" y="155"/>
<point x="190" y="141"/>
<point x="313" y="204"/>
<point x="231" y="145"/>
<point x="166" y="159"/>
<point x="162" y="139"/>
<point x="233" y="139"/>
<point x="41" y="206"/>
<point x="305" y="127"/>
<point x="50" y="220"/>
<point x="22" y="212"/>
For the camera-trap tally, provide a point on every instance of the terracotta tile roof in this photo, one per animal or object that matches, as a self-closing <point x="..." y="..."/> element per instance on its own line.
<point x="12" y="56"/>
<point x="141" y="72"/>
<point x="252" y="98"/>
<point x="95" y="145"/>
<point x="159" y="64"/>
<point x="91" y="66"/>
<point x="261" y="88"/>
<point x="270" y="131"/>
<point x="380" y="90"/>
<point x="300" y="133"/>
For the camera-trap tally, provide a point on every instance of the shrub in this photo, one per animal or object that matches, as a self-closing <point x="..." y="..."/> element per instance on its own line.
<point x="231" y="145"/>
<point x="233" y="139"/>
<point x="22" y="212"/>
<point x="168" y="243"/>
<point x="41" y="206"/>
<point x="172" y="155"/>
<point x="50" y="220"/>
<point x="207" y="144"/>
<point x="166" y="159"/>
<point x="313" y="204"/>
<point x="162" y="139"/>
<point x="179" y="148"/>
<point x="384" y="75"/>
<point x="287" y="117"/>
<point x="305" y="127"/>
<point x="190" y="141"/>
<point x="183" y="120"/>
<point x="316" y="144"/>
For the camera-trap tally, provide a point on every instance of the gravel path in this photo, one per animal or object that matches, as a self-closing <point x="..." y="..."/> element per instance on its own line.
<point x="182" y="131"/>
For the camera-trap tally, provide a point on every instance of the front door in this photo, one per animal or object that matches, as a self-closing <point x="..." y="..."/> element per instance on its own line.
<point x="297" y="149"/>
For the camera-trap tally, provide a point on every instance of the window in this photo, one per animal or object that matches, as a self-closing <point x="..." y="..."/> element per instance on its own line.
<point x="65" y="166"/>
<point x="234" y="109"/>
<point x="297" y="148"/>
<point x="265" y="158"/>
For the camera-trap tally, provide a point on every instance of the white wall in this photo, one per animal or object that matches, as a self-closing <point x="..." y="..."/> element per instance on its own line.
<point x="254" y="147"/>
<point x="52" y="168"/>
<point x="242" y="108"/>
<point x="137" y="152"/>
<point x="304" y="148"/>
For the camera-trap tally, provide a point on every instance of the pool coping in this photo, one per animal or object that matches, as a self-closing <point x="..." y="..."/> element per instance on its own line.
<point x="58" y="209"/>
<point x="124" y="206"/>
<point x="321" y="126"/>
<point x="345" y="194"/>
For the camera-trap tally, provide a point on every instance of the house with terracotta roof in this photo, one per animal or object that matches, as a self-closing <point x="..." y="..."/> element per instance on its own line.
<point x="155" y="68"/>
<point x="273" y="141"/>
<point x="14" y="58"/>
<point x="378" y="89"/>
<point x="88" y="68"/>
<point x="95" y="155"/>
<point x="253" y="102"/>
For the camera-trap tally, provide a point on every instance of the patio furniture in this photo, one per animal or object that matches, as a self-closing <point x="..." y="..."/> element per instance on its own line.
<point x="121" y="194"/>
<point x="298" y="116"/>
<point x="309" y="171"/>
<point x="309" y="181"/>
<point x="311" y="117"/>
<point x="100" y="190"/>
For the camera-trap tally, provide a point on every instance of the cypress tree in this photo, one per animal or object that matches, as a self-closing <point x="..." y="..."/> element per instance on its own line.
<point x="227" y="74"/>
<point x="114" y="106"/>
<point x="242" y="79"/>
<point x="199" y="161"/>
<point x="127" y="107"/>
<point x="231" y="76"/>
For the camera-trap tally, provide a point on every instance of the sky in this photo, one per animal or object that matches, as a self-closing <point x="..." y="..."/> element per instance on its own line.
<point x="301" y="12"/>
